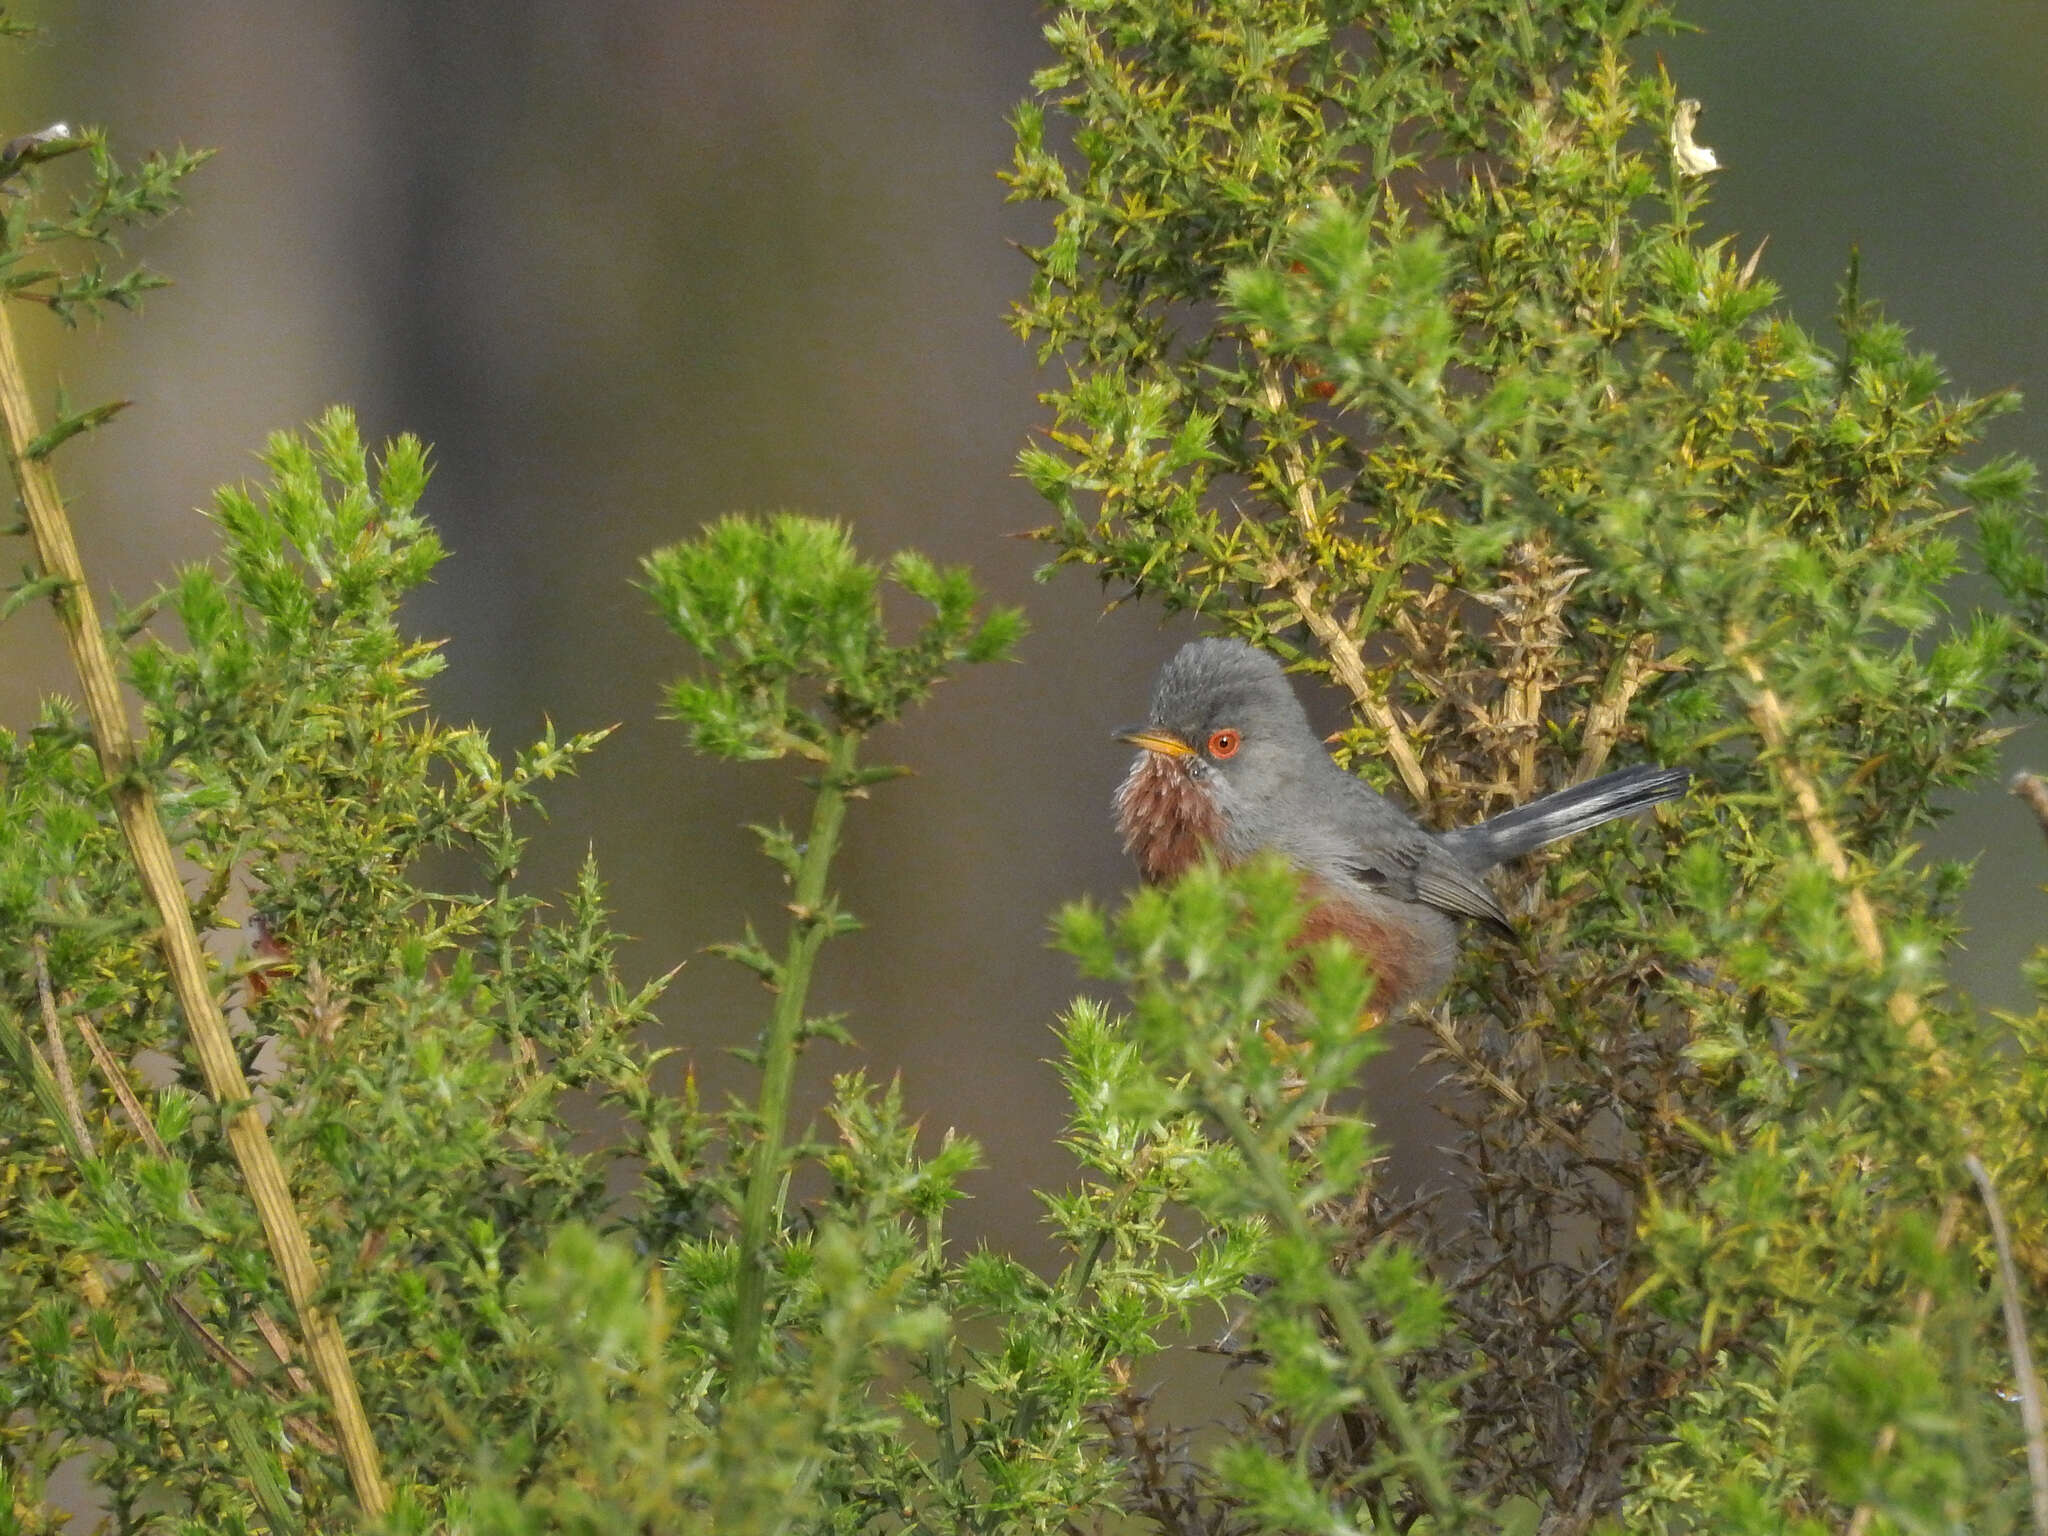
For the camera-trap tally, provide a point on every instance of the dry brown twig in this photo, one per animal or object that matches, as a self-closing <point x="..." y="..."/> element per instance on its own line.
<point x="117" y="1080"/>
<point x="1772" y="724"/>
<point x="281" y="1347"/>
<point x="2025" y="1378"/>
<point x="1531" y="600"/>
<point x="145" y="1130"/>
<point x="1769" y="716"/>
<point x="95" y="1284"/>
<point x="2033" y="789"/>
<point x="1459" y="1052"/>
<point x="59" y="1061"/>
<point x="1347" y="661"/>
<point x="1608" y="714"/>
<point x="244" y="1376"/>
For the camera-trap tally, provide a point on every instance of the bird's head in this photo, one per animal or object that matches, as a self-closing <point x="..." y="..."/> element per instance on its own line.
<point x="1225" y="718"/>
<point x="1224" y="736"/>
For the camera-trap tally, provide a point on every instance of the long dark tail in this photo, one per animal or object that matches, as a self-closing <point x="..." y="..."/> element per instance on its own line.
<point x="1559" y="815"/>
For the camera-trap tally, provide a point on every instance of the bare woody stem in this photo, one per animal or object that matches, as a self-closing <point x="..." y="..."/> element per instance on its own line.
<point x="116" y="1078"/>
<point x="1773" y="726"/>
<point x="60" y="1058"/>
<point x="1347" y="661"/>
<point x="135" y="805"/>
<point x="808" y="932"/>
<point x="1609" y="713"/>
<point x="2032" y="1415"/>
<point x="1767" y="713"/>
<point x="79" y="1146"/>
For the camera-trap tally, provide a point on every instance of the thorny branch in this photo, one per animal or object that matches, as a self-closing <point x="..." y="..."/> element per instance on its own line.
<point x="1772" y="725"/>
<point x="1347" y="662"/>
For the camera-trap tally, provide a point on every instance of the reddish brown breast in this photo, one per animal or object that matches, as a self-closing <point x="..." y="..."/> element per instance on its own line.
<point x="1164" y="817"/>
<point x="1167" y="822"/>
<point x="1392" y="948"/>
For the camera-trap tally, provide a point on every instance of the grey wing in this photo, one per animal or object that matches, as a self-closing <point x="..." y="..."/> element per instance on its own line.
<point x="1389" y="853"/>
<point x="1442" y="882"/>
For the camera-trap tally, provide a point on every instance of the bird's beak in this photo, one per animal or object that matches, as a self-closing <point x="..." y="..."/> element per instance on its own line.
<point x="1155" y="741"/>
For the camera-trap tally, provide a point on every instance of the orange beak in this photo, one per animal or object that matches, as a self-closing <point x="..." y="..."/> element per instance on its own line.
<point x="1155" y="741"/>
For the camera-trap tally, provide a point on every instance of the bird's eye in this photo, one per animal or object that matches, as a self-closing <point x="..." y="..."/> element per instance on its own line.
<point x="1223" y="743"/>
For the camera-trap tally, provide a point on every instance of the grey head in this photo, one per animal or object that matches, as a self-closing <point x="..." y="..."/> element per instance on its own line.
<point x="1226" y="688"/>
<point x="1225" y="714"/>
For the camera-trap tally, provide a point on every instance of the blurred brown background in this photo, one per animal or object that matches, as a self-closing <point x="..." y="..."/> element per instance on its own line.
<point x="627" y="266"/>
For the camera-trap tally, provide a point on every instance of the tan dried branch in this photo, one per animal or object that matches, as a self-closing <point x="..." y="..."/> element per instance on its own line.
<point x="93" y="1282"/>
<point x="1484" y="1075"/>
<point x="1347" y="665"/>
<point x="135" y="806"/>
<point x="1535" y="587"/>
<point x="145" y="1130"/>
<point x="1347" y="661"/>
<point x="1608" y="715"/>
<point x="2024" y="1376"/>
<point x="301" y="1426"/>
<point x="60" y="1058"/>
<point x="281" y="1348"/>
<point x="117" y="1081"/>
<point x="1767" y="713"/>
<point x="2033" y="789"/>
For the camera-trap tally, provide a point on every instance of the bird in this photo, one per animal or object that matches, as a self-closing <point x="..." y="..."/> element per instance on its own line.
<point x="1228" y="766"/>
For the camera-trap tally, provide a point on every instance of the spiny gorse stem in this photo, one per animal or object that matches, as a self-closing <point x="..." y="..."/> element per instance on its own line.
<point x="808" y="932"/>
<point x="1284" y="1208"/>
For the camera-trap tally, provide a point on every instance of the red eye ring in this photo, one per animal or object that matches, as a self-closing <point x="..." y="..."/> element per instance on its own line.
<point x="1224" y="743"/>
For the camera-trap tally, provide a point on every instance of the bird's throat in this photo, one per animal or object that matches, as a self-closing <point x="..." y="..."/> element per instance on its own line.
<point x="1166" y="819"/>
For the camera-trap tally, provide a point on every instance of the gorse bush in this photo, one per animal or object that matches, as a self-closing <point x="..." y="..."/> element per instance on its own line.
<point x="1383" y="337"/>
<point x="1389" y="341"/>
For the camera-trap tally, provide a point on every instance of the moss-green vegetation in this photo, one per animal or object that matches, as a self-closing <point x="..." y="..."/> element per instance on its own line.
<point x="1384" y="336"/>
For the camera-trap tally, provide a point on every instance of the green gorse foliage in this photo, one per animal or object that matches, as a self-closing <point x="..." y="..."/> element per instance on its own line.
<point x="1208" y="964"/>
<point x="1389" y="339"/>
<point x="1386" y="338"/>
<point x="784" y="604"/>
